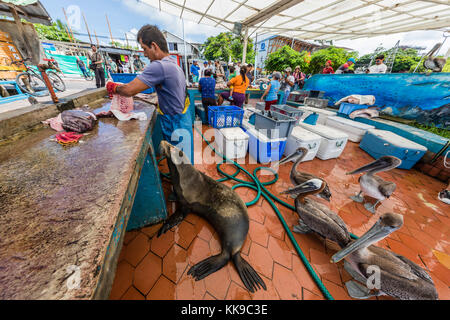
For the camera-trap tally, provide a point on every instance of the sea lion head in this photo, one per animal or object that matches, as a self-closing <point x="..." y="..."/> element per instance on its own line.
<point x="173" y="154"/>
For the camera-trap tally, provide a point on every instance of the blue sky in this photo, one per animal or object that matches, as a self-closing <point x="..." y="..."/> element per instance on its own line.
<point x="127" y="16"/>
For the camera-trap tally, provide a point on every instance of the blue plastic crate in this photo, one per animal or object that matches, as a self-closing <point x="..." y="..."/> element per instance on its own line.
<point x="128" y="77"/>
<point x="225" y="116"/>
<point x="348" y="108"/>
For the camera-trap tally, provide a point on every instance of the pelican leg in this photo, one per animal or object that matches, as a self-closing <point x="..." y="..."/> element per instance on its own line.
<point x="302" y="228"/>
<point x="358" y="291"/>
<point x="371" y="208"/>
<point x="358" y="198"/>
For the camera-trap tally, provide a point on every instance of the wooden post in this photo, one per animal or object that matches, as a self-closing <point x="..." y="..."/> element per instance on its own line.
<point x="87" y="28"/>
<point x="98" y="45"/>
<point x="110" y="33"/>
<point x="68" y="25"/>
<point x="126" y="38"/>
<point x="21" y="30"/>
<point x="244" y="51"/>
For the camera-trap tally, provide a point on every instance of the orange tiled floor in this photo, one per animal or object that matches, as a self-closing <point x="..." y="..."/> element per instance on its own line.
<point x="156" y="268"/>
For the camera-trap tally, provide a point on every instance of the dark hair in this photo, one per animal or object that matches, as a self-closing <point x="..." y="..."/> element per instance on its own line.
<point x="207" y="72"/>
<point x="249" y="65"/>
<point x="148" y="34"/>
<point x="380" y="57"/>
<point x="232" y="69"/>
<point x="243" y="73"/>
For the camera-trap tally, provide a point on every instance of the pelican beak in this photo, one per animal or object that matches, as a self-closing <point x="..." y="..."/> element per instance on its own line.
<point x="293" y="157"/>
<point x="308" y="186"/>
<point x="375" y="234"/>
<point x="376" y="165"/>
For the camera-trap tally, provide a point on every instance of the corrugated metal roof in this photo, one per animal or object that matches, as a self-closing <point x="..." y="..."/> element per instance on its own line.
<point x="313" y="19"/>
<point x="30" y="10"/>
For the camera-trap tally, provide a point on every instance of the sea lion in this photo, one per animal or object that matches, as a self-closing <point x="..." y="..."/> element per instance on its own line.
<point x="220" y="206"/>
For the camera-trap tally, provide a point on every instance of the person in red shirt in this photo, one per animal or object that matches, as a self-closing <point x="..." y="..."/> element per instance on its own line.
<point x="328" y="68"/>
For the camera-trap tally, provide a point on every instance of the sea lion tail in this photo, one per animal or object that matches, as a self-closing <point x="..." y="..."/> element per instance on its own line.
<point x="249" y="276"/>
<point x="210" y="265"/>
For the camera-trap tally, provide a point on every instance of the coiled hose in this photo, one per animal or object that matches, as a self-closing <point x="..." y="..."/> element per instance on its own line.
<point x="260" y="188"/>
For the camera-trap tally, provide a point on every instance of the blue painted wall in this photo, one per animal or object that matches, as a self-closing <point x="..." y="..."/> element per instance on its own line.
<point x="410" y="96"/>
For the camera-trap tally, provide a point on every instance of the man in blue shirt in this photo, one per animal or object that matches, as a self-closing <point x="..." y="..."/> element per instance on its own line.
<point x="163" y="74"/>
<point x="207" y="86"/>
<point x="195" y="71"/>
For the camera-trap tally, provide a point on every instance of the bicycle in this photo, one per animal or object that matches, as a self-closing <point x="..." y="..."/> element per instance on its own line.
<point x="32" y="83"/>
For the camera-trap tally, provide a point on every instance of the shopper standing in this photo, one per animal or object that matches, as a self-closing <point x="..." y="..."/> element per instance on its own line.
<point x="97" y="61"/>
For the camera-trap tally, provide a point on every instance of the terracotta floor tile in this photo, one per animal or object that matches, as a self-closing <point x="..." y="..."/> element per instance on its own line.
<point x="132" y="294"/>
<point x="208" y="297"/>
<point x="122" y="281"/>
<point x="184" y="234"/>
<point x="274" y="226"/>
<point x="324" y="267"/>
<point x="256" y="214"/>
<point x="198" y="251"/>
<point x="203" y="229"/>
<point x="147" y="272"/>
<point x="175" y="263"/>
<point x="192" y="218"/>
<point x="260" y="259"/>
<point x="269" y="294"/>
<point x="338" y="292"/>
<point x="164" y="289"/>
<point x="189" y="289"/>
<point x="280" y="252"/>
<point x="286" y="283"/>
<point x="137" y="249"/>
<point x="236" y="292"/>
<point x="303" y="276"/>
<point x="215" y="245"/>
<point x="161" y="245"/>
<point x="258" y="233"/>
<point x="151" y="231"/>
<point x="217" y="283"/>
<point x="401" y="249"/>
<point x="308" y="295"/>
<point x="129" y="236"/>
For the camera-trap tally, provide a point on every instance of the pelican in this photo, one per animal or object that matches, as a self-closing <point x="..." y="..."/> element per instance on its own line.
<point x="373" y="185"/>
<point x="381" y="269"/>
<point x="298" y="177"/>
<point x="435" y="64"/>
<point x="317" y="217"/>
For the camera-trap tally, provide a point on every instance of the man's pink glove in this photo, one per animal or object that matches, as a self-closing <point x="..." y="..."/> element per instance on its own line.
<point x="111" y="87"/>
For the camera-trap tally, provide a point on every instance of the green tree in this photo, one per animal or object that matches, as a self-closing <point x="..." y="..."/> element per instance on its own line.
<point x="56" y="31"/>
<point x="286" y="57"/>
<point x="337" y="55"/>
<point x="226" y="45"/>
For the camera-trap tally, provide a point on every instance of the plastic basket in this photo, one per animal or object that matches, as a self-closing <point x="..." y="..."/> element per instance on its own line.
<point x="298" y="96"/>
<point x="348" y="108"/>
<point x="276" y="124"/>
<point x="225" y="116"/>
<point x="126" y="78"/>
<point x="316" y="102"/>
<point x="287" y="110"/>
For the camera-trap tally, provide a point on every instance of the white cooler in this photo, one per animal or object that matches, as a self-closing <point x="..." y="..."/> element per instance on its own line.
<point x="232" y="142"/>
<point x="322" y="113"/>
<point x="333" y="140"/>
<point x="301" y="137"/>
<point x="355" y="130"/>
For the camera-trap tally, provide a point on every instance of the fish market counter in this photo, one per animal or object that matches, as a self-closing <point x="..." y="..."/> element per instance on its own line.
<point x="64" y="210"/>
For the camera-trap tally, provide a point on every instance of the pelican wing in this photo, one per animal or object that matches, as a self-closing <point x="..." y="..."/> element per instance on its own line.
<point x="386" y="188"/>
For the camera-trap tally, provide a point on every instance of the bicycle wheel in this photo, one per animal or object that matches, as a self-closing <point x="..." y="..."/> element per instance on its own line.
<point x="56" y="81"/>
<point x="32" y="84"/>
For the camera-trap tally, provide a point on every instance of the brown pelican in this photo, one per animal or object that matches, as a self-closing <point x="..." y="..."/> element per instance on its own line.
<point x="315" y="216"/>
<point x="435" y="64"/>
<point x="381" y="269"/>
<point x="373" y="185"/>
<point x="298" y="177"/>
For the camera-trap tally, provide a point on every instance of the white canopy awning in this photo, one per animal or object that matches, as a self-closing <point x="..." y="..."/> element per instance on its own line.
<point x="314" y="19"/>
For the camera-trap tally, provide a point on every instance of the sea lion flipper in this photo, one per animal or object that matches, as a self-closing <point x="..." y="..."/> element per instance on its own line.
<point x="210" y="265"/>
<point x="174" y="220"/>
<point x="248" y="275"/>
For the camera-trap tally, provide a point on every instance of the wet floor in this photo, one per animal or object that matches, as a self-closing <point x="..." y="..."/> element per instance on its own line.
<point x="156" y="268"/>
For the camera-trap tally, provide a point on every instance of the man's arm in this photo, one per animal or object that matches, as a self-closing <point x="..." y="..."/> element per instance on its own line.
<point x="132" y="88"/>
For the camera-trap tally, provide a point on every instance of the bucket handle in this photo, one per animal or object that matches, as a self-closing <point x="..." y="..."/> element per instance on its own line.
<point x="313" y="147"/>
<point x="339" y="144"/>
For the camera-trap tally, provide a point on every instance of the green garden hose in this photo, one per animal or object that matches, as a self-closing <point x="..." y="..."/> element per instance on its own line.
<point x="260" y="188"/>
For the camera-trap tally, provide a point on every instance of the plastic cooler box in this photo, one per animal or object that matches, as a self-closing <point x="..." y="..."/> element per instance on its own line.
<point x="262" y="148"/>
<point x="380" y="143"/>
<point x="288" y="111"/>
<point x="348" y="108"/>
<point x="232" y="142"/>
<point x="355" y="130"/>
<point x="301" y="137"/>
<point x="333" y="141"/>
<point x="322" y="113"/>
<point x="274" y="124"/>
<point x="316" y="102"/>
<point x="225" y="116"/>
<point x="126" y="78"/>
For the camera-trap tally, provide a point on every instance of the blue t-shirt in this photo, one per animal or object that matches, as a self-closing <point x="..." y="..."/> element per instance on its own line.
<point x="169" y="82"/>
<point x="194" y="70"/>
<point x="273" y="92"/>
<point x="208" y="85"/>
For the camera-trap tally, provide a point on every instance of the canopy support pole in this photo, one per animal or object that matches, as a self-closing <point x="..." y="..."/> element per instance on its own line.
<point x="244" y="53"/>
<point x="185" y="56"/>
<point x="256" y="56"/>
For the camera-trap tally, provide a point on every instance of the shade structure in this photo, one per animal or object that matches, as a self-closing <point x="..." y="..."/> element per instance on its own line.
<point x="313" y="19"/>
<point x="30" y="10"/>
